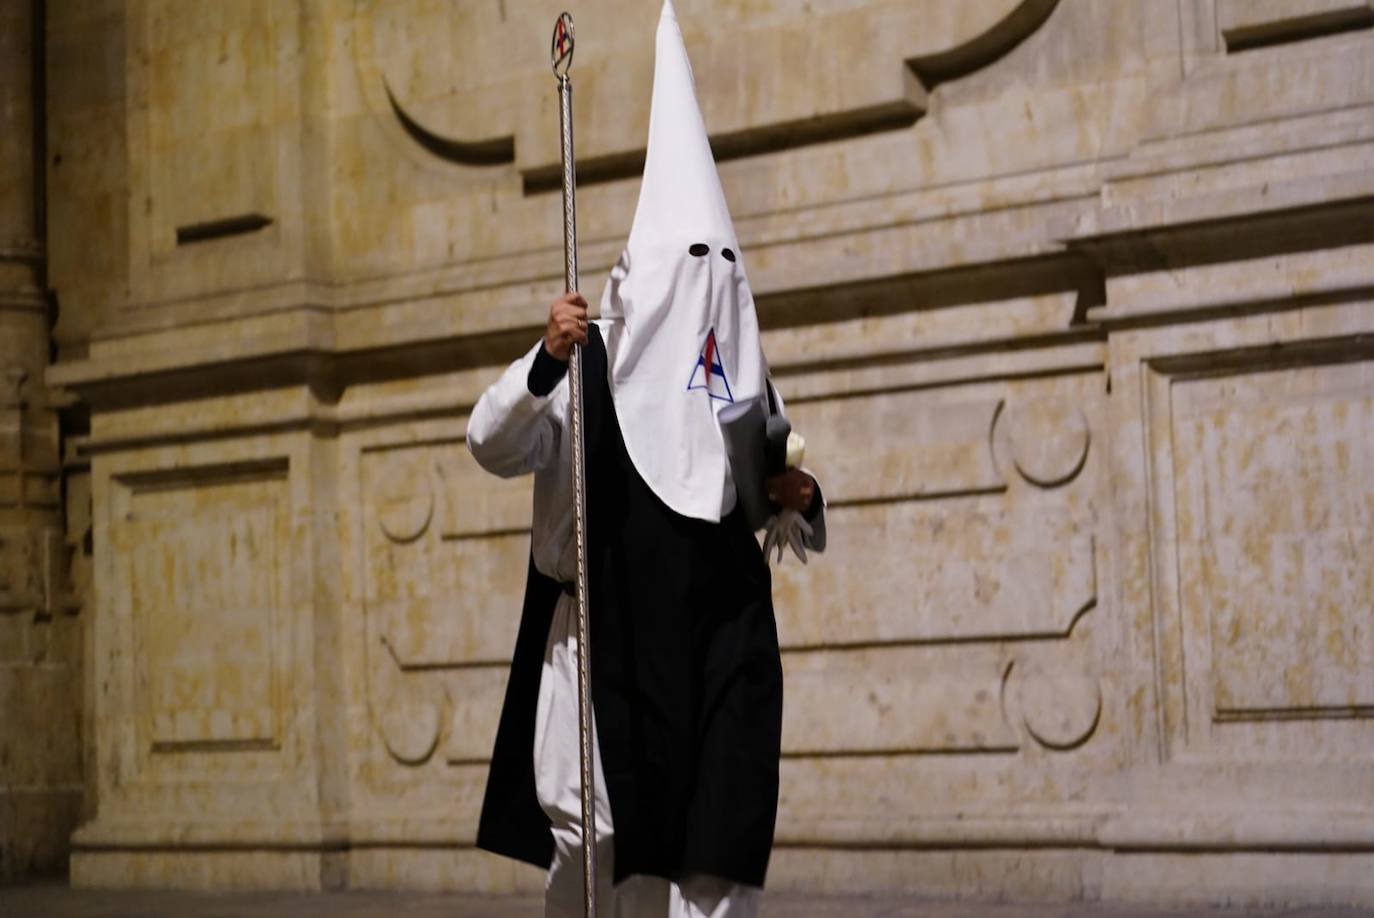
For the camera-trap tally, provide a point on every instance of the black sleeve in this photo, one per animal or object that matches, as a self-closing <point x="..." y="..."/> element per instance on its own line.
<point x="545" y="372"/>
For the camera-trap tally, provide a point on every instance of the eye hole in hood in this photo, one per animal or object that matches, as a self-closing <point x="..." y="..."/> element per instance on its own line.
<point x="729" y="255"/>
<point x="699" y="249"/>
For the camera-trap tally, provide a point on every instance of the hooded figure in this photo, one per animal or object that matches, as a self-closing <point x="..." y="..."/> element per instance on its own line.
<point x="686" y="675"/>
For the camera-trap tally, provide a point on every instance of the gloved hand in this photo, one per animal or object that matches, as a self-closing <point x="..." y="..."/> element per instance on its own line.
<point x="790" y="528"/>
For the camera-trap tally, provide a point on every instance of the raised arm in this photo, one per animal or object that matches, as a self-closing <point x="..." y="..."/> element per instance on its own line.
<point x="517" y="424"/>
<point x="513" y="431"/>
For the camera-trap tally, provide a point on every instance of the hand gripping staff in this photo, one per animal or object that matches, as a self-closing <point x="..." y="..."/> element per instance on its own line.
<point x="562" y="54"/>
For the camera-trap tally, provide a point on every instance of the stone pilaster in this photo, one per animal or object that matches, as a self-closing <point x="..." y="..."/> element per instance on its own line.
<point x="39" y="642"/>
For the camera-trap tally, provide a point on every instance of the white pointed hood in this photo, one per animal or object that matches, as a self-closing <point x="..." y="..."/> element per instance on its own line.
<point x="682" y="338"/>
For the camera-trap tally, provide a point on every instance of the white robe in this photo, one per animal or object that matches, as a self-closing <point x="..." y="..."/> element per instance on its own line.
<point x="513" y="432"/>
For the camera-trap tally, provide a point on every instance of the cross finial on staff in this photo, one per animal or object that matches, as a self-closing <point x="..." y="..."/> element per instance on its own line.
<point x="561" y="51"/>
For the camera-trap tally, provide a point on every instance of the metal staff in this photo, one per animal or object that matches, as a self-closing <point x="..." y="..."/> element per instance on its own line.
<point x="562" y="54"/>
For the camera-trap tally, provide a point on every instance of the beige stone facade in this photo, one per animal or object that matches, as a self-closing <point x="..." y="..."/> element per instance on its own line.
<point x="1072" y="299"/>
<point x="41" y="635"/>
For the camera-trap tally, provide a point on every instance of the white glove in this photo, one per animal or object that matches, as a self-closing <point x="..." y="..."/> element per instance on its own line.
<point x="790" y="528"/>
<point x="796" y="450"/>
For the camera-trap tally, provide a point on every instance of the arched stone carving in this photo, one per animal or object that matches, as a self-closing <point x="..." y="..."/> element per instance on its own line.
<point x="410" y="730"/>
<point x="1060" y="706"/>
<point x="404" y="502"/>
<point x="1048" y="440"/>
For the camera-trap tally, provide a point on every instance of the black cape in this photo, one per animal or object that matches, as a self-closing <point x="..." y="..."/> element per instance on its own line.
<point x="686" y="679"/>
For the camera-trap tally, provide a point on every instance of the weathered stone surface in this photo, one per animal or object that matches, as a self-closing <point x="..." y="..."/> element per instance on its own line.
<point x="40" y="638"/>
<point x="1071" y="299"/>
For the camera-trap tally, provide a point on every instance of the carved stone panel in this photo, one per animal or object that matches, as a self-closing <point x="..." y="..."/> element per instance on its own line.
<point x="901" y="446"/>
<point x="1295" y="50"/>
<point x="911" y="572"/>
<point x="477" y="503"/>
<point x="459" y="77"/>
<point x="446" y="549"/>
<point x="1262" y="536"/>
<point x="896" y="700"/>
<point x="1275" y="492"/>
<point x="214" y="98"/>
<point x="202" y="557"/>
<point x="448" y="546"/>
<point x="475" y="696"/>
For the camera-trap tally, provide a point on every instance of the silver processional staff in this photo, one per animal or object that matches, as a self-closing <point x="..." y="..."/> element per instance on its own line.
<point x="562" y="55"/>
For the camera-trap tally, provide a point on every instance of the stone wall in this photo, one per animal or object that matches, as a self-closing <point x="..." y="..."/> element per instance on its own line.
<point x="40" y="634"/>
<point x="1071" y="298"/>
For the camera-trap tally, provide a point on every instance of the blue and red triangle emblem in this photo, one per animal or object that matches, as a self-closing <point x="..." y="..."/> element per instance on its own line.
<point x="709" y="371"/>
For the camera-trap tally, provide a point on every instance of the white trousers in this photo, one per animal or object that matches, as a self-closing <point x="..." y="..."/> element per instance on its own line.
<point x="557" y="782"/>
